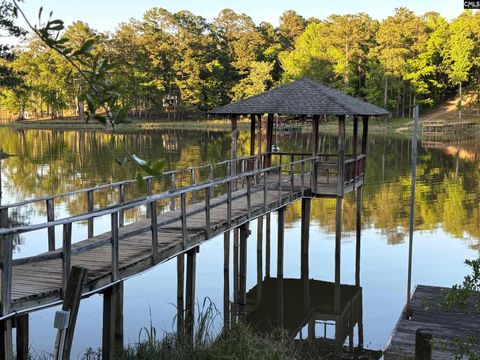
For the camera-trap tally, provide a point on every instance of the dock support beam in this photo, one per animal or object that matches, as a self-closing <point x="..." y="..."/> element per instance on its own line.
<point x="338" y="245"/>
<point x="242" y="293"/>
<point x="267" y="245"/>
<point x="226" y="280"/>
<point x="235" y="271"/>
<point x="259" y="258"/>
<point x="280" y="255"/>
<point x="190" y="293"/>
<point x="22" y="325"/>
<point x="112" y="337"/>
<point x="315" y="139"/>
<point x="6" y="244"/>
<point x="180" y="293"/>
<point x="358" y="233"/>
<point x="305" y="240"/>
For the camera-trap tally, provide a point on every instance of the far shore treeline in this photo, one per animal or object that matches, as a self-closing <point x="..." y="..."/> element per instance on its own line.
<point x="181" y="62"/>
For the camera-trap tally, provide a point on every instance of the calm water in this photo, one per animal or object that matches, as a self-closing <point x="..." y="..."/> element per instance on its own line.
<point x="447" y="218"/>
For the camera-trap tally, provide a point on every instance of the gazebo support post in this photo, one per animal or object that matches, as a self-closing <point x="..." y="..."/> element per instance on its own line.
<point x="269" y="140"/>
<point x="354" y="149"/>
<point x="234" y="135"/>
<point x="252" y="140"/>
<point x="315" y="140"/>
<point x="341" y="156"/>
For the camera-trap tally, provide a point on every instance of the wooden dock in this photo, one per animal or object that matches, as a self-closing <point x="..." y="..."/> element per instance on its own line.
<point x="447" y="326"/>
<point x="437" y="127"/>
<point x="128" y="250"/>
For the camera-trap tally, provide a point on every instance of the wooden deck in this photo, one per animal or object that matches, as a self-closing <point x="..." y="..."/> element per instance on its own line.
<point x="446" y="326"/>
<point x="128" y="250"/>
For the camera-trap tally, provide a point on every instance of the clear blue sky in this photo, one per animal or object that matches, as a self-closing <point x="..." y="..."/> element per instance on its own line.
<point x="106" y="14"/>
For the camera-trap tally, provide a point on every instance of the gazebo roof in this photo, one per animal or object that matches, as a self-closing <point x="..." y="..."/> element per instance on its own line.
<point x="301" y="97"/>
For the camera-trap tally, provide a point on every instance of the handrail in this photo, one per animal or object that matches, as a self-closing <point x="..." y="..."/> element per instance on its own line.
<point x="145" y="200"/>
<point x="123" y="182"/>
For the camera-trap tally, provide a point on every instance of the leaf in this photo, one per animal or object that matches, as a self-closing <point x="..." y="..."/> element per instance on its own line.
<point x="92" y="107"/>
<point x="86" y="47"/>
<point x="140" y="181"/>
<point x="138" y="160"/>
<point x="55" y="25"/>
<point x="122" y="115"/>
<point x="40" y="13"/>
<point x="101" y="119"/>
<point x="159" y="165"/>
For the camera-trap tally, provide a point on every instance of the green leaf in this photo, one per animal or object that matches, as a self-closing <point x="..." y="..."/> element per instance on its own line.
<point x="55" y="25"/>
<point x="140" y="181"/>
<point x="40" y="13"/>
<point x="122" y="115"/>
<point x="101" y="119"/>
<point x="86" y="47"/>
<point x="92" y="107"/>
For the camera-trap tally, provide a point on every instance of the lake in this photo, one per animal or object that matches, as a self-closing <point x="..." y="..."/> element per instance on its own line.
<point x="447" y="218"/>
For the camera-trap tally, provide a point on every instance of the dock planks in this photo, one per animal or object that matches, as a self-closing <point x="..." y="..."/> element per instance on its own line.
<point x="447" y="326"/>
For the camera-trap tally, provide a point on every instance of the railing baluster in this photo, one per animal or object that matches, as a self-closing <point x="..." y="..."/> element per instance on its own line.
<point x="279" y="185"/>
<point x="207" y="211"/>
<point x="90" y="209"/>
<point x="183" y="209"/>
<point x="212" y="193"/>
<point x="6" y="248"/>
<point x="194" y="192"/>
<point x="51" y="229"/>
<point x="121" y="201"/>
<point x="292" y="180"/>
<point x="302" y="175"/>
<point x="229" y="203"/>
<point x="154" y="228"/>
<point x="265" y="192"/>
<point x="115" y="247"/>
<point x="148" y="182"/>
<point x="249" y="199"/>
<point x="66" y="255"/>
<point x="257" y="167"/>
<point x="174" y="186"/>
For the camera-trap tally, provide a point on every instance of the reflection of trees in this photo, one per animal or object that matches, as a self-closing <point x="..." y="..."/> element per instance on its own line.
<point x="59" y="161"/>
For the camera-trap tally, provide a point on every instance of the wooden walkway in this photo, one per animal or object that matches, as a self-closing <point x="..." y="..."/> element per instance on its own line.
<point x="124" y="251"/>
<point x="448" y="327"/>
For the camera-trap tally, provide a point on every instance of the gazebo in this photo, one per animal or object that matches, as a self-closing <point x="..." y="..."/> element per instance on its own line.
<point x="306" y="98"/>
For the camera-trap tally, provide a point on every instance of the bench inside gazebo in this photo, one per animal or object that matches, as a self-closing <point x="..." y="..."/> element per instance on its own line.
<point x="332" y="174"/>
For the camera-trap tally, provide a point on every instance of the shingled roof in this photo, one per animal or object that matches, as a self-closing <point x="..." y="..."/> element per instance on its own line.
<point x="301" y="97"/>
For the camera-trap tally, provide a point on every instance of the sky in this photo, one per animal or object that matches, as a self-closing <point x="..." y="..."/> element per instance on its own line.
<point x="105" y="15"/>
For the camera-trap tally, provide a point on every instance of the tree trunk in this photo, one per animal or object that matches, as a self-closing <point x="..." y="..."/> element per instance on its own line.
<point x="81" y="110"/>
<point x="385" y="94"/>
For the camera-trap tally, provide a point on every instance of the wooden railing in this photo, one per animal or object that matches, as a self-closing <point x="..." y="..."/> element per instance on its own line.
<point x="257" y="181"/>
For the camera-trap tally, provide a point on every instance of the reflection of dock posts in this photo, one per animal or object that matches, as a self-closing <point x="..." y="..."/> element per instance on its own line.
<point x="338" y="229"/>
<point x="190" y="293"/>
<point x="280" y="252"/>
<point x="305" y="235"/>
<point x="112" y="336"/>
<point x="360" y="323"/>
<point x="358" y="233"/>
<point x="242" y="293"/>
<point x="21" y="325"/>
<point x="267" y="245"/>
<point x="180" y="293"/>
<point x="6" y="244"/>
<point x="259" y="257"/>
<point x="226" y="279"/>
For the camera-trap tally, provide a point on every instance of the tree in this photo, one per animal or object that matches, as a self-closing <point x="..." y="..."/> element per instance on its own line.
<point x="259" y="80"/>
<point x="291" y="26"/>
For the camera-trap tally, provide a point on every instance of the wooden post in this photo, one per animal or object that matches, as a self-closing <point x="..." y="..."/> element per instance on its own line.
<point x="119" y="317"/>
<point x="269" y="140"/>
<point x="21" y="325"/>
<point x="234" y="135"/>
<point x="242" y="294"/>
<point x="305" y="234"/>
<point x="360" y="324"/>
<point x="338" y="244"/>
<point x="6" y="247"/>
<point x="66" y="255"/>
<point x="226" y="279"/>
<point x="252" y="139"/>
<point x="354" y="149"/>
<point x="51" y="229"/>
<point x="423" y="345"/>
<point x="358" y="233"/>
<point x="412" y="211"/>
<point x="154" y="230"/>
<point x="259" y="257"/>
<point x="180" y="294"/>
<point x="71" y="303"/>
<point x="190" y="293"/>
<point x="90" y="209"/>
<point x="341" y="156"/>
<point x="235" y="266"/>
<point x="121" y="201"/>
<point x="280" y="256"/>
<point x="267" y="245"/>
<point x="109" y="315"/>
<point x="364" y="134"/>
<point x="315" y="139"/>
<point x="148" y="182"/>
